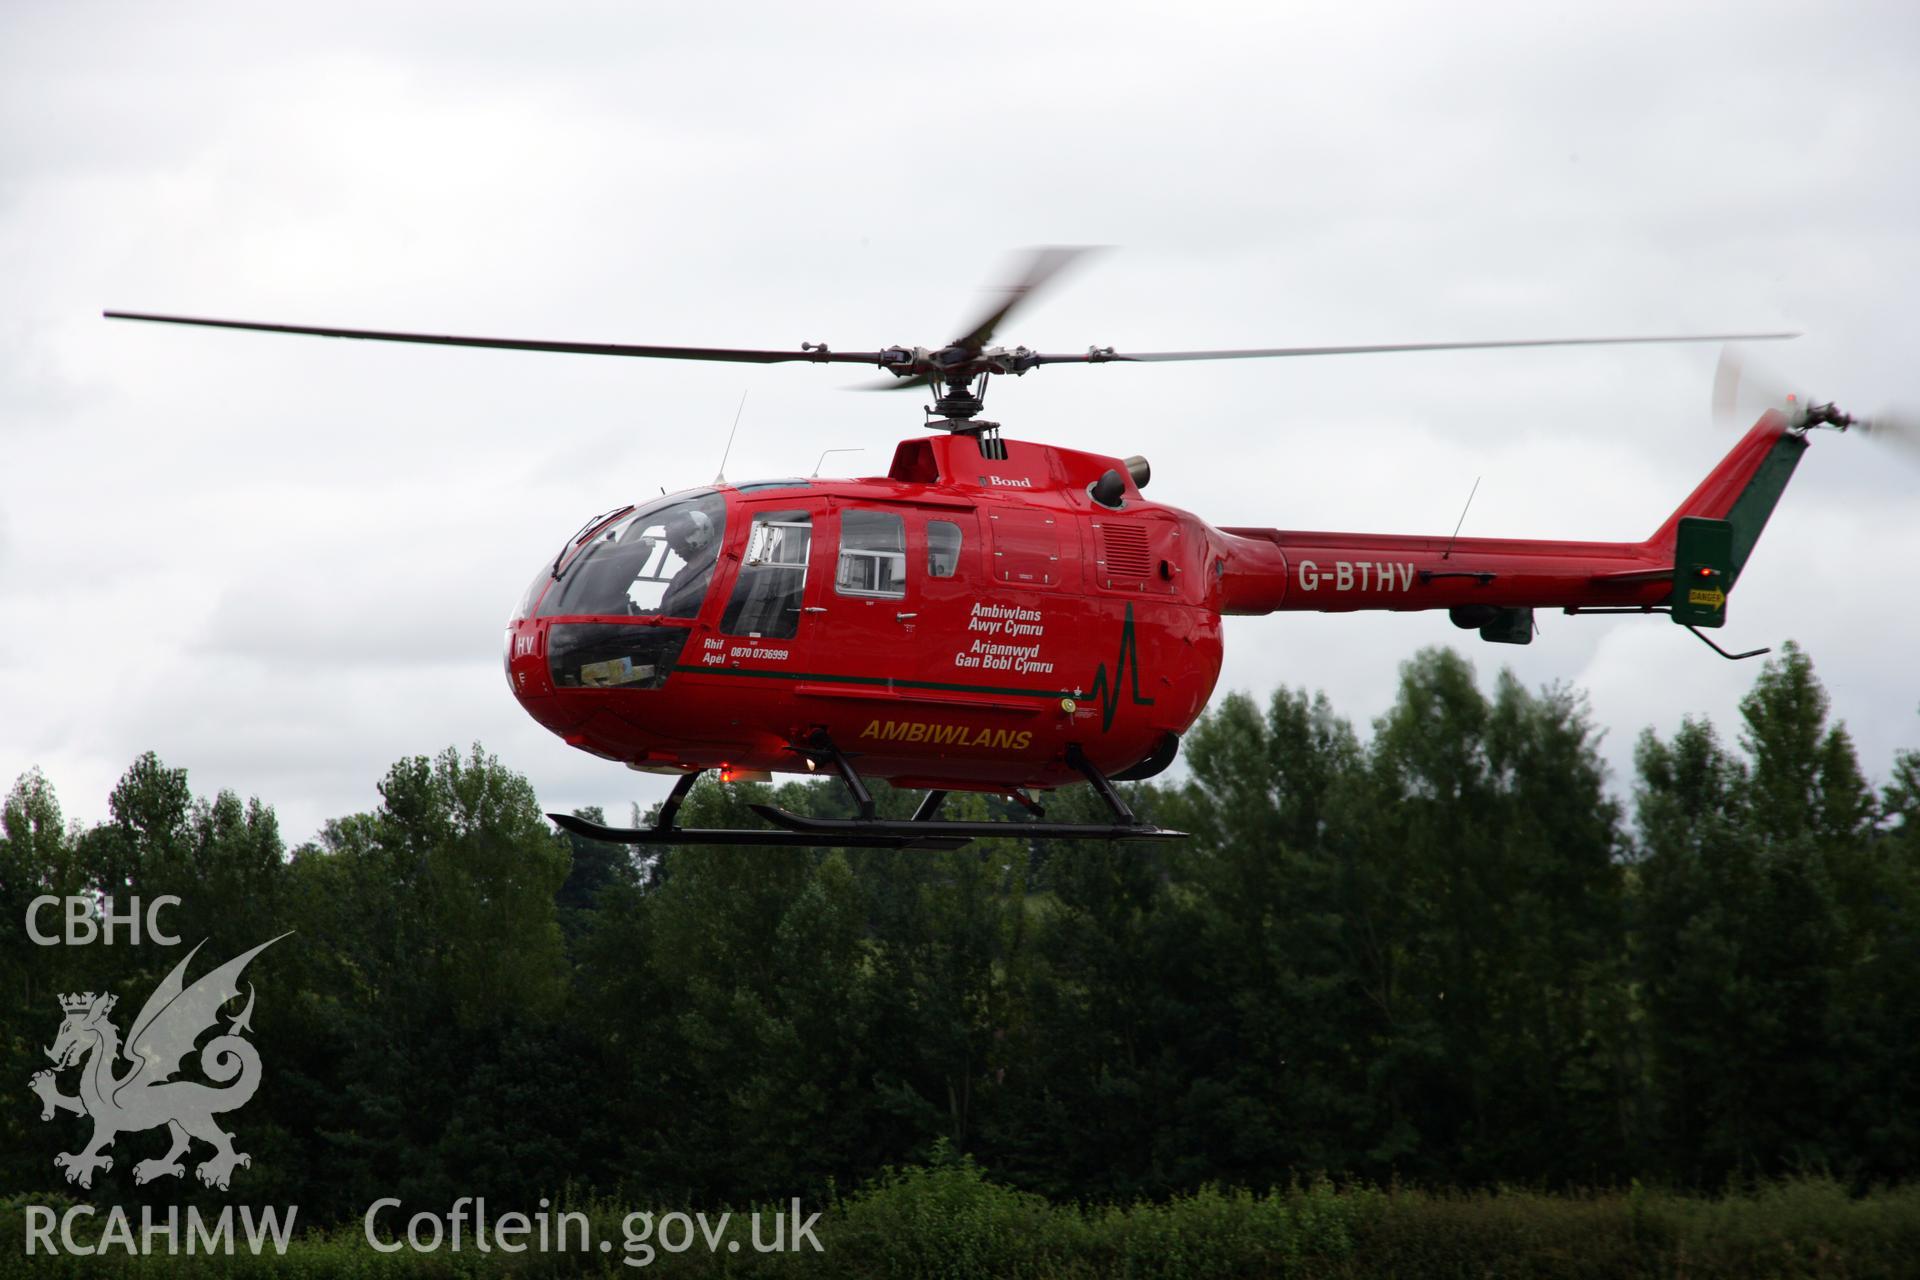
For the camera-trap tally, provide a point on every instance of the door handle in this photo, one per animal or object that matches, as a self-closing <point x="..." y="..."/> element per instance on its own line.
<point x="815" y="608"/>
<point x="904" y="616"/>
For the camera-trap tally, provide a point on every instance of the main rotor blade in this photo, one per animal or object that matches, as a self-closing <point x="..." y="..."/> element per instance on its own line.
<point x="1104" y="355"/>
<point x="897" y="384"/>
<point x="1041" y="266"/>
<point x="816" y="355"/>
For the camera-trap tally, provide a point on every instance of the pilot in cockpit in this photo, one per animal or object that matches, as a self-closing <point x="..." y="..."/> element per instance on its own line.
<point x="691" y="536"/>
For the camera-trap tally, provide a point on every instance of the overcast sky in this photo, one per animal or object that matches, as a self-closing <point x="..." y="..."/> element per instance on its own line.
<point x="284" y="563"/>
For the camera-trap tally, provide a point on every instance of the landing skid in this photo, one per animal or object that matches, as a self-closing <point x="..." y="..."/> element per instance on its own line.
<point x="922" y="831"/>
<point x="956" y="833"/>
<point x="730" y="835"/>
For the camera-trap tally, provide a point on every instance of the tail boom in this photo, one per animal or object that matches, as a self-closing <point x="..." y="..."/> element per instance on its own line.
<point x="1278" y="569"/>
<point x="1271" y="570"/>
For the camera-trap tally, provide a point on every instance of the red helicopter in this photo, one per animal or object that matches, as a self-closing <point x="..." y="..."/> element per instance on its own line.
<point x="1004" y="616"/>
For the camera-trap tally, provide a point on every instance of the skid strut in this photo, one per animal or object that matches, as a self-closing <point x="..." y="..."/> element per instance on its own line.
<point x="1121" y="813"/>
<point x="820" y="746"/>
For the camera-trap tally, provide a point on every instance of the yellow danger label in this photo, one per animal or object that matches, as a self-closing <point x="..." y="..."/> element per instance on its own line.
<point x="1714" y="599"/>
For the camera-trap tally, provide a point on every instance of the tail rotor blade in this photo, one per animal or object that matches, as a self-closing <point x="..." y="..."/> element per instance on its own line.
<point x="1897" y="426"/>
<point x="1740" y="394"/>
<point x="1726" y="385"/>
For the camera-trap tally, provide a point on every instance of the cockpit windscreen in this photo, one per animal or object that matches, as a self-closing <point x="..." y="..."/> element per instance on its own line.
<point x="659" y="561"/>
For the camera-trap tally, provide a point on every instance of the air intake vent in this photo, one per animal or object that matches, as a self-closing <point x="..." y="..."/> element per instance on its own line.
<point x="1123" y="551"/>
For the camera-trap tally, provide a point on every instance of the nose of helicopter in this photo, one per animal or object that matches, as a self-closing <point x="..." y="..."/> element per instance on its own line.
<point x="596" y="684"/>
<point x="548" y="656"/>
<point x="527" y="674"/>
<point x="601" y="629"/>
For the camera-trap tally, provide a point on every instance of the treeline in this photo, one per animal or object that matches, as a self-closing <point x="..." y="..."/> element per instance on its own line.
<point x="1443" y="955"/>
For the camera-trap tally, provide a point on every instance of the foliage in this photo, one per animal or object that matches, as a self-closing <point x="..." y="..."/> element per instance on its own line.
<point x="1441" y="954"/>
<point x="952" y="1220"/>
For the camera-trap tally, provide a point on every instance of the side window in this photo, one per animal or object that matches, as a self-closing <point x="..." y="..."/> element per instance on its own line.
<point x="873" y="555"/>
<point x="943" y="548"/>
<point x="773" y="577"/>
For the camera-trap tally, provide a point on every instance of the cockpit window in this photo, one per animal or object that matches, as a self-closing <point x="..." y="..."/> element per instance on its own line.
<point x="657" y="561"/>
<point x="585" y="530"/>
<point x="768" y="596"/>
<point x="531" y="594"/>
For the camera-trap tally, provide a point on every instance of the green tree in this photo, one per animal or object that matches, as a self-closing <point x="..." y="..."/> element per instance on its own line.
<point x="735" y="986"/>
<point x="37" y="858"/>
<point x="1486" y="850"/>
<point x="1117" y="1040"/>
<point x="470" y="847"/>
<point x="1763" y="919"/>
<point x="1805" y="778"/>
<point x="430" y="975"/>
<point x="1287" y="1021"/>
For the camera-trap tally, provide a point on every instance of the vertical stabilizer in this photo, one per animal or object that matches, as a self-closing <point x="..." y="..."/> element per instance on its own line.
<point x="1742" y="490"/>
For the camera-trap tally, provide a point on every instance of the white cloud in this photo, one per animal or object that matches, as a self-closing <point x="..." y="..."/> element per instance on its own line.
<point x="283" y="562"/>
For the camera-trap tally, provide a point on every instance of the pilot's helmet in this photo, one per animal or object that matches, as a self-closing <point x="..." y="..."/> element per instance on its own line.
<point x="690" y="531"/>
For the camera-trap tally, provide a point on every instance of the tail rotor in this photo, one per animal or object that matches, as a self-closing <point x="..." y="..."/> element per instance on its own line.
<point x="1740" y="392"/>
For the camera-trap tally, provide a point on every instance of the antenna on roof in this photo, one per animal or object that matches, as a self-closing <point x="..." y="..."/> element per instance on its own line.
<point x="720" y="477"/>
<point x="1463" y="519"/>
<point x="825" y="452"/>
